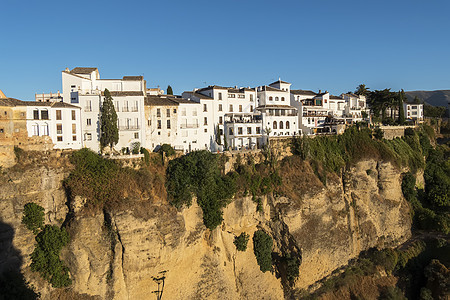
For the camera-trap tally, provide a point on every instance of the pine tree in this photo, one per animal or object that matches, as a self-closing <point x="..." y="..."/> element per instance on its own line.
<point x="169" y="90"/>
<point x="108" y="128"/>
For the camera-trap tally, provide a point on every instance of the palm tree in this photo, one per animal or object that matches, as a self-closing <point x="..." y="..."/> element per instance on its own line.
<point x="362" y="90"/>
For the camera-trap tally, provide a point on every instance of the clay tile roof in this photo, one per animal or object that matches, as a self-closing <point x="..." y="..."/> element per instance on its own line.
<point x="83" y="70"/>
<point x="133" y="78"/>
<point x="159" y="100"/>
<point x="11" y="102"/>
<point x="279" y="81"/>
<point x="303" y="92"/>
<point x="63" y="104"/>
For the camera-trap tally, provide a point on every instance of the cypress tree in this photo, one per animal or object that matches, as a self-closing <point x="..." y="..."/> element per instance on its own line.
<point x="401" y="112"/>
<point x="169" y="90"/>
<point x="108" y="122"/>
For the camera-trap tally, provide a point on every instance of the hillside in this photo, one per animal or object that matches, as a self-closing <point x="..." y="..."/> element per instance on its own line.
<point x="435" y="98"/>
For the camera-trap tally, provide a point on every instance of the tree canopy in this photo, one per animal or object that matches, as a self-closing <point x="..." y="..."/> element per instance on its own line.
<point x="108" y="122"/>
<point x="169" y="90"/>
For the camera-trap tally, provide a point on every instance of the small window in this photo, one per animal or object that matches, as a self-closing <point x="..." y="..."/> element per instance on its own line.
<point x="220" y="107"/>
<point x="240" y="108"/>
<point x="251" y="108"/>
<point x="168" y="112"/>
<point x="205" y="108"/>
<point x="282" y="98"/>
<point x="174" y="110"/>
<point x="74" y="138"/>
<point x="231" y="107"/>
<point x="206" y="130"/>
<point x="251" y="97"/>
<point x="287" y="125"/>
<point x="270" y="98"/>
<point x="158" y="113"/>
<point x="159" y="124"/>
<point x="281" y="125"/>
<point x="44" y="114"/>
<point x="220" y="96"/>
<point x="136" y="135"/>
<point x="2" y="130"/>
<point x="168" y="124"/>
<point x="276" y="99"/>
<point x="239" y="130"/>
<point x="258" y="130"/>
<point x="59" y="138"/>
<point x="88" y="122"/>
<point x="220" y="120"/>
<point x="88" y="137"/>
<point x="58" y="128"/>
<point x="74" y="128"/>
<point x="205" y="121"/>
<point x="36" y="114"/>
<point x="249" y="130"/>
<point x="58" y="115"/>
<point x="73" y="115"/>
<point x="274" y="124"/>
<point x="230" y="131"/>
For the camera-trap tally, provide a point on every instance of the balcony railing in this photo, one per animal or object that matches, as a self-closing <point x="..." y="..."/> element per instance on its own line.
<point x="134" y="109"/>
<point x="88" y="108"/>
<point x="128" y="127"/>
<point x="184" y="126"/>
<point x="125" y="109"/>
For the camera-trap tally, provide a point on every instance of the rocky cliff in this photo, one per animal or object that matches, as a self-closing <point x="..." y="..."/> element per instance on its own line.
<point x="116" y="253"/>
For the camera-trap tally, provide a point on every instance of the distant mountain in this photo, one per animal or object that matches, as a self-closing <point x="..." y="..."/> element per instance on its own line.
<point x="435" y="98"/>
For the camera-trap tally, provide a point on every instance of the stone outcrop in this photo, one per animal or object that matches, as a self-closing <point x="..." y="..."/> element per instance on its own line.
<point x="117" y="253"/>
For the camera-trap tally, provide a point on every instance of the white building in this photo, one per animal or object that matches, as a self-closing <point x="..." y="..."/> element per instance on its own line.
<point x="84" y="88"/>
<point x="279" y="118"/>
<point x="413" y="111"/>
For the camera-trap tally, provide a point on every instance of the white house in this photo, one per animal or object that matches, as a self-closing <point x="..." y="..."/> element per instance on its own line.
<point x="84" y="88"/>
<point x="413" y="111"/>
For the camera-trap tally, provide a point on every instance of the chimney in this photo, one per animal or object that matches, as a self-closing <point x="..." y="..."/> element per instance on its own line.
<point x="320" y="91"/>
<point x="67" y="69"/>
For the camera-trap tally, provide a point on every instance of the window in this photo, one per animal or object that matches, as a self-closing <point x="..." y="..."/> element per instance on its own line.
<point x="149" y="122"/>
<point x="281" y="125"/>
<point x="221" y="131"/>
<point x="220" y="107"/>
<point x="36" y="114"/>
<point x="258" y="130"/>
<point x="249" y="130"/>
<point x="270" y="98"/>
<point x="158" y="113"/>
<point x="240" y="108"/>
<point x="58" y="115"/>
<point x="44" y="114"/>
<point x="36" y="130"/>
<point x="274" y="124"/>
<point x="159" y="124"/>
<point x="2" y="130"/>
<point x="251" y="108"/>
<point x="231" y="107"/>
<point x="220" y="96"/>
<point x="174" y="110"/>
<point x="88" y="137"/>
<point x="88" y="122"/>
<point x="73" y="115"/>
<point x="74" y="138"/>
<point x="88" y="106"/>
<point x="73" y="86"/>
<point x="58" y="128"/>
<point x="242" y="96"/>
<point x="231" y="96"/>
<point x="168" y="124"/>
<point x="136" y="135"/>
<point x="239" y="130"/>
<point x="251" y="97"/>
<point x="205" y="130"/>
<point x="282" y="98"/>
<point x="220" y="120"/>
<point x="59" y="138"/>
<point x="205" y="121"/>
<point x="74" y="128"/>
<point x="205" y="108"/>
<point x="230" y="131"/>
<point x="276" y="99"/>
<point x="168" y="112"/>
<point x="287" y="125"/>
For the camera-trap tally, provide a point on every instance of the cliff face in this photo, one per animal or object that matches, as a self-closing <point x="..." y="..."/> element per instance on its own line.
<point x="115" y="253"/>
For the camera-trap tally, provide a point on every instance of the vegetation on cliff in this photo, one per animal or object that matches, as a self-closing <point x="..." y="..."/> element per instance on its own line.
<point x="262" y="246"/>
<point x="50" y="240"/>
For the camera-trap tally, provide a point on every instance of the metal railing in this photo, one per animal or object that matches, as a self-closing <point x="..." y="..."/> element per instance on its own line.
<point x="129" y="127"/>
<point x="183" y="126"/>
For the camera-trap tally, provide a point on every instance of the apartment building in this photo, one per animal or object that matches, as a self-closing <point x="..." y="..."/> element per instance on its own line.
<point x="413" y="111"/>
<point x="83" y="87"/>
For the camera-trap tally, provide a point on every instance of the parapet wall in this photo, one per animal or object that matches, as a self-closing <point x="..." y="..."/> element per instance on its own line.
<point x="392" y="132"/>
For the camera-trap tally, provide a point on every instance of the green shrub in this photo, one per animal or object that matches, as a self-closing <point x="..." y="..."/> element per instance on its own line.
<point x="45" y="257"/>
<point x="241" y="241"/>
<point x="262" y="247"/>
<point x="292" y="268"/>
<point x="135" y="147"/>
<point x="167" y="150"/>
<point x="146" y="156"/>
<point x="198" y="174"/>
<point x="33" y="217"/>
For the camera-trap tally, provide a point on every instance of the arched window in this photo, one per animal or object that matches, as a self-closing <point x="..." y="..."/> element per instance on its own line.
<point x="274" y="124"/>
<point x="276" y="99"/>
<point x="270" y="98"/>
<point x="282" y="98"/>
<point x="287" y="125"/>
<point x="281" y="124"/>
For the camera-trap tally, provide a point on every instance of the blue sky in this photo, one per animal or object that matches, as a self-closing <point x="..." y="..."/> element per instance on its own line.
<point x="322" y="44"/>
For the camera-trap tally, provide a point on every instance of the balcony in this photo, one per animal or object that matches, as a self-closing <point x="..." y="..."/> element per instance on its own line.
<point x="125" y="109"/>
<point x="134" y="109"/>
<point x="88" y="109"/>
<point x="184" y="126"/>
<point x="129" y="127"/>
<point x="243" y="118"/>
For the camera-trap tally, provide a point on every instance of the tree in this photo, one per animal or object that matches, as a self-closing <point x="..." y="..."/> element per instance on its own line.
<point x="218" y="138"/>
<point x="401" y="112"/>
<point x="108" y="122"/>
<point x="241" y="241"/>
<point x="362" y="90"/>
<point x="169" y="90"/>
<point x="33" y="217"/>
<point x="262" y="247"/>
